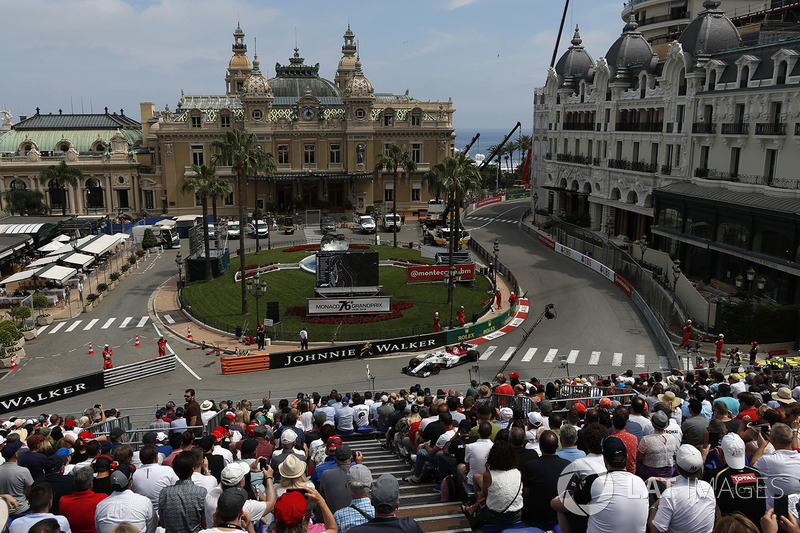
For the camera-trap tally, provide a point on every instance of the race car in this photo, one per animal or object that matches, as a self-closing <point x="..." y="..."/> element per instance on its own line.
<point x="433" y="362"/>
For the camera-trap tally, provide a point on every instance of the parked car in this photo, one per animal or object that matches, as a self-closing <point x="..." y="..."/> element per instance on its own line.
<point x="392" y="222"/>
<point x="259" y="226"/>
<point x="327" y="224"/>
<point x="364" y="224"/>
<point x="233" y="229"/>
<point x="288" y="226"/>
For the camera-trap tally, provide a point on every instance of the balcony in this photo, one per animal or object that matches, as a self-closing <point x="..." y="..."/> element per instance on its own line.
<point x="771" y="128"/>
<point x="666" y="170"/>
<point x="704" y="127"/>
<point x="678" y="15"/>
<point x="736" y="128"/>
<point x="596" y="161"/>
<point x="578" y="126"/>
<point x="569" y="158"/>
<point x="636" y="166"/>
<point x="651" y="127"/>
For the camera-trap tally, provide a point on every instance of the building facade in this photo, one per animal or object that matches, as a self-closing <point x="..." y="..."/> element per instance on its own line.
<point x="325" y="136"/>
<point x="698" y="151"/>
<point x="101" y="145"/>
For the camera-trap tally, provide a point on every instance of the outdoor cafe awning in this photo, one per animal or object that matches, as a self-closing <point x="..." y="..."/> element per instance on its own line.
<point x="76" y="258"/>
<point x="54" y="272"/>
<point x="42" y="262"/>
<point x="51" y="246"/>
<point x="99" y="245"/>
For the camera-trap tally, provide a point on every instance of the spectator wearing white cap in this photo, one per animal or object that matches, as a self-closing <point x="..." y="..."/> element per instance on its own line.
<point x="737" y="487"/>
<point x="232" y="478"/>
<point x="288" y="439"/>
<point x="781" y="470"/>
<point x="505" y="417"/>
<point x="535" y="424"/>
<point x="689" y="505"/>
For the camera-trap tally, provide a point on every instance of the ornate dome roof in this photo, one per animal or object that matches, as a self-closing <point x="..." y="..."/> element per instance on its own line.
<point x="710" y="31"/>
<point x="292" y="80"/>
<point x="576" y="61"/>
<point x="358" y="85"/>
<point x="238" y="62"/>
<point x="630" y="48"/>
<point x="256" y="84"/>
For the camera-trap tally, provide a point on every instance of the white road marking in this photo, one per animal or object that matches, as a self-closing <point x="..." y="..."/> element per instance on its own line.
<point x="74" y="325"/>
<point x="506" y="356"/>
<point x="142" y="322"/>
<point x="489" y="351"/>
<point x="551" y="355"/>
<point x="594" y="358"/>
<point x="91" y="324"/>
<point x="617" y="359"/>
<point x="516" y="322"/>
<point x="640" y="360"/>
<point x="108" y="323"/>
<point x="572" y="357"/>
<point x="125" y="322"/>
<point x="170" y="351"/>
<point x="169" y="319"/>
<point x="41" y="329"/>
<point x="529" y="355"/>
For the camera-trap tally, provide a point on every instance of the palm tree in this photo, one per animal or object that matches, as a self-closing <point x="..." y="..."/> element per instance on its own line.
<point x="392" y="159"/>
<point x="199" y="183"/>
<point x="218" y="189"/>
<point x="235" y="150"/>
<point x="260" y="161"/>
<point x="58" y="175"/>
<point x="458" y="175"/>
<point x="523" y="145"/>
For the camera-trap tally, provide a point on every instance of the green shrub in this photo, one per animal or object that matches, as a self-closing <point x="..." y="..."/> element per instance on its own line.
<point x="8" y="332"/>
<point x="132" y="260"/>
<point x="40" y="301"/>
<point x="22" y="312"/>
<point x="102" y="287"/>
<point x="149" y="239"/>
<point x="140" y="253"/>
<point x="125" y="268"/>
<point x="6" y="339"/>
<point x="91" y="297"/>
<point x="114" y="276"/>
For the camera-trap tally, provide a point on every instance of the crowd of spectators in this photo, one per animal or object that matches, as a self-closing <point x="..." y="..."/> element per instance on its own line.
<point x="694" y="452"/>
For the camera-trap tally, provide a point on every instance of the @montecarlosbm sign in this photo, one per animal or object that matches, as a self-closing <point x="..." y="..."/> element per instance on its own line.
<point x="357" y="351"/>
<point x="51" y="393"/>
<point x="350" y="305"/>
<point x="437" y="272"/>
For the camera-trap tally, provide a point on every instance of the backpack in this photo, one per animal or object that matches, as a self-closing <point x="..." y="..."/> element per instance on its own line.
<point x="448" y="490"/>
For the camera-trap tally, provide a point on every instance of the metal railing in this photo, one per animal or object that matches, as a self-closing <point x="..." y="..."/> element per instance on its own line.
<point x="735" y="128"/>
<point x="771" y="128"/>
<point x="568" y="397"/>
<point x="704" y="127"/>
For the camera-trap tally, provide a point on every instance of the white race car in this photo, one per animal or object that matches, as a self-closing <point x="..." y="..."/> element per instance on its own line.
<point x="433" y="362"/>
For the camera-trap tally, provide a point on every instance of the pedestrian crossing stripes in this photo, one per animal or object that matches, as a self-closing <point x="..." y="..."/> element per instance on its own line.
<point x="492" y="219"/>
<point x="68" y="327"/>
<point x="571" y="357"/>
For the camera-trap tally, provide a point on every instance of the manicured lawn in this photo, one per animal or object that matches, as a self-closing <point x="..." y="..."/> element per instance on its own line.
<point x="220" y="300"/>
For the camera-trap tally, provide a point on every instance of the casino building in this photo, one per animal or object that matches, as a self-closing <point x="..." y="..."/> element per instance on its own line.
<point x="698" y="151"/>
<point x="324" y="134"/>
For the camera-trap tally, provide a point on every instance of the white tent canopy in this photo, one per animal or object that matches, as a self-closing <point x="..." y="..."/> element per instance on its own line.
<point x="63" y="238"/>
<point x="78" y="259"/>
<point x="99" y="245"/>
<point x="50" y="246"/>
<point x="56" y="273"/>
<point x="18" y="276"/>
<point x="43" y="261"/>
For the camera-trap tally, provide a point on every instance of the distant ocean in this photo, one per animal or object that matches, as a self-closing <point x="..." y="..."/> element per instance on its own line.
<point x="489" y="137"/>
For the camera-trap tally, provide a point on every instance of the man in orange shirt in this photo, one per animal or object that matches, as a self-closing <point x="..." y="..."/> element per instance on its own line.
<point x="687" y="333"/>
<point x="620" y="419"/>
<point x="719" y="344"/>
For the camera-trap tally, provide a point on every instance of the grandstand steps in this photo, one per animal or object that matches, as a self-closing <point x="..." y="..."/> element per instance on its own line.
<point x="419" y="501"/>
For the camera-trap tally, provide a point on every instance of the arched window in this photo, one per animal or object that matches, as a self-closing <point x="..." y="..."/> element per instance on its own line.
<point x="99" y="146"/>
<point x="94" y="194"/>
<point x="633" y="198"/>
<point x="57" y="194"/>
<point x="63" y="147"/>
<point x="682" y="83"/>
<point x="712" y="80"/>
<point x="744" y="78"/>
<point x="18" y="184"/>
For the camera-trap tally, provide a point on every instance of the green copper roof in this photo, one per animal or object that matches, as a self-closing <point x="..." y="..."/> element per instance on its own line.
<point x="77" y="121"/>
<point x="82" y="140"/>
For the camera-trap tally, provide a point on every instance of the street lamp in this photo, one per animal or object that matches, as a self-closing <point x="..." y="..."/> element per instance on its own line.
<point x="88" y="192"/>
<point x="496" y="249"/>
<point x="676" y="272"/>
<point x="643" y="246"/>
<point x="258" y="291"/>
<point x="451" y="277"/>
<point x="179" y="262"/>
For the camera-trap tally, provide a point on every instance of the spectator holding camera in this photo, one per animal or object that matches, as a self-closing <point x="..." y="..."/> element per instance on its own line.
<point x="781" y="470"/>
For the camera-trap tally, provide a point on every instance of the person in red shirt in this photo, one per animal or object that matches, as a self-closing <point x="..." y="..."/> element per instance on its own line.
<point x="78" y="508"/>
<point x="503" y="387"/>
<point x="460" y="316"/>
<point x="620" y="419"/>
<point x="498" y="300"/>
<point x="747" y="406"/>
<point x="107" y="363"/>
<point x="512" y="299"/>
<point x="436" y="327"/>
<point x="162" y="347"/>
<point x="719" y="344"/>
<point x="687" y="333"/>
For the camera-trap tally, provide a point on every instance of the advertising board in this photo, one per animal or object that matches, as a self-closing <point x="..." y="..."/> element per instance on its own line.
<point x="350" y="305"/>
<point x="437" y="272"/>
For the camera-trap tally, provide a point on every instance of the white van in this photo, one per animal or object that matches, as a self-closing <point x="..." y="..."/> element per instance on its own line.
<point x="166" y="237"/>
<point x="364" y="224"/>
<point x="233" y="229"/>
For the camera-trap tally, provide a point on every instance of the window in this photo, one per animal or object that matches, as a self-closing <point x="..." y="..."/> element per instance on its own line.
<point x="18" y="184"/>
<point x="239" y="86"/>
<point x="122" y="199"/>
<point x="283" y="154"/>
<point x="416" y="119"/>
<point x="64" y="147"/>
<point x="225" y="121"/>
<point x="654" y="153"/>
<point x="388" y="118"/>
<point x="416" y="189"/>
<point x="635" y="156"/>
<point x="416" y="152"/>
<point x="229" y="198"/>
<point x="198" y="199"/>
<point x="309" y="154"/>
<point x="677" y="155"/>
<point x="619" y="150"/>
<point x="769" y="165"/>
<point x="781" y="77"/>
<point x="197" y="121"/>
<point x="681" y="110"/>
<point x="335" y="153"/>
<point x="386" y="148"/>
<point x="360" y="114"/>
<point x="388" y="192"/>
<point x="736" y="153"/>
<point x="149" y="200"/>
<point x="577" y="147"/>
<point x="744" y="77"/>
<point x="197" y="154"/>
<point x="704" y="157"/>
<point x="775" y="112"/>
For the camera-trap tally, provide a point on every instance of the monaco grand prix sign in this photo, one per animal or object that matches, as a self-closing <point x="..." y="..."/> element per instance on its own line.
<point x="437" y="272"/>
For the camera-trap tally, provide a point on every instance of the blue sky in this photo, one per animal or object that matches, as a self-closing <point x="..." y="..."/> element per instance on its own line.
<point x="488" y="55"/>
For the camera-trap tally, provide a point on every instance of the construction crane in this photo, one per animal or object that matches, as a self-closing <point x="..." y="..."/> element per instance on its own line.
<point x="497" y="148"/>
<point x="469" y="144"/>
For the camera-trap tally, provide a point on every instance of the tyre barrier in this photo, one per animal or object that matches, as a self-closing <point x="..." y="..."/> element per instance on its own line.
<point x="244" y="363"/>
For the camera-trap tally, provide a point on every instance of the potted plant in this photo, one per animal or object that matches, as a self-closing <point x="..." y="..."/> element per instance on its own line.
<point x="125" y="269"/>
<point x="40" y="303"/>
<point x="92" y="299"/>
<point x="8" y="336"/>
<point x="114" y="280"/>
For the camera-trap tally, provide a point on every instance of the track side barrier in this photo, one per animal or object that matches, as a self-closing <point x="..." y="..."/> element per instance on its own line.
<point x="244" y="363"/>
